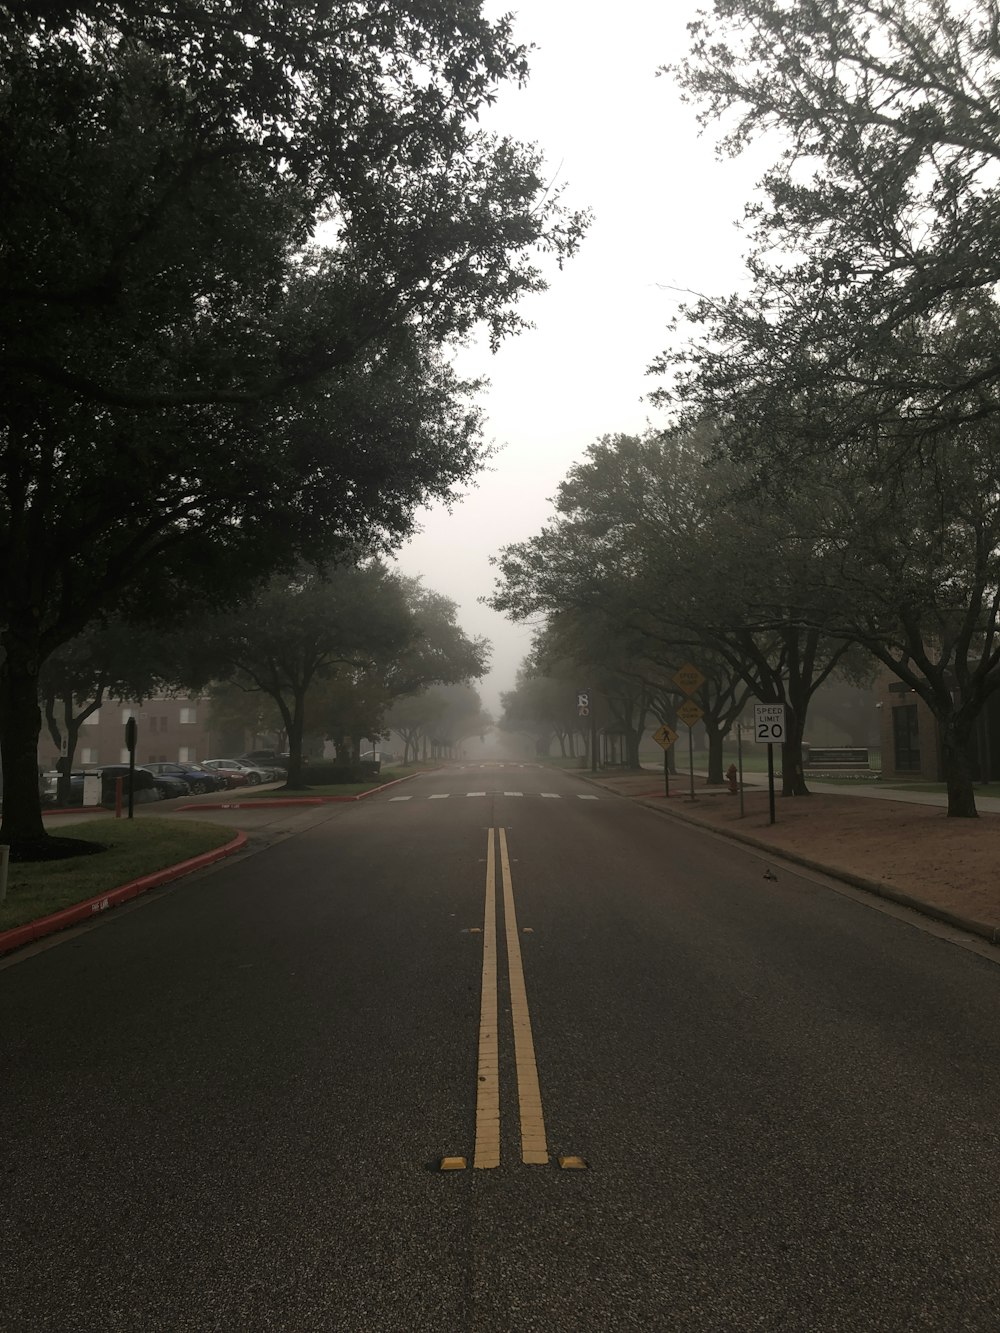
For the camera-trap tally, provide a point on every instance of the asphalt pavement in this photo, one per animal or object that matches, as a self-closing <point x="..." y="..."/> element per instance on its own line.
<point x="226" y="1106"/>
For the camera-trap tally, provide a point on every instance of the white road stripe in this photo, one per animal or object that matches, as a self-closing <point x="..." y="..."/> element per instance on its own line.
<point x="552" y="795"/>
<point x="400" y="798"/>
<point x="585" y="798"/>
<point x="513" y="793"/>
<point x="475" y="793"/>
<point x="439" y="796"/>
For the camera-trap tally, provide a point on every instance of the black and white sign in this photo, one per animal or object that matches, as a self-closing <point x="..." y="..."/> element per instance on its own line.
<point x="769" y="723"/>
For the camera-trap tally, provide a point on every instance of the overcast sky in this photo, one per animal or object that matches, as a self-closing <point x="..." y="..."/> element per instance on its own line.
<point x="665" y="214"/>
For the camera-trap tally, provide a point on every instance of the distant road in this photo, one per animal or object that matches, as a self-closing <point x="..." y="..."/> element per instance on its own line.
<point x="226" y="1107"/>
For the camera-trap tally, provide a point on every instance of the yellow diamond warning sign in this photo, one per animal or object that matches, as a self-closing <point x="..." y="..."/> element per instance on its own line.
<point x="688" y="678"/>
<point x="664" y="736"/>
<point x="689" y="712"/>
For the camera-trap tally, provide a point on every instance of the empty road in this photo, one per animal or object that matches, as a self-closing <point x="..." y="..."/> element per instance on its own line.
<point x="687" y="1097"/>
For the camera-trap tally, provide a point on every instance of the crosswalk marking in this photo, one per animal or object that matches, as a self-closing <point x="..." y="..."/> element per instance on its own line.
<point x="546" y="795"/>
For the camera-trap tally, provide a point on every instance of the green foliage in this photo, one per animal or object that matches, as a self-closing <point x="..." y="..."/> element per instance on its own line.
<point x="858" y="379"/>
<point x="234" y="241"/>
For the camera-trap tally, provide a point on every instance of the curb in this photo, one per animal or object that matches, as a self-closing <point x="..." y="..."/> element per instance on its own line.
<point x="875" y="887"/>
<point x="73" y="915"/>
<point x="268" y="803"/>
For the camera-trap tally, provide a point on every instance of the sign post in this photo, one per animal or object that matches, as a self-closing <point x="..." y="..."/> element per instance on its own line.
<point x="583" y="709"/>
<point x="739" y="756"/>
<point x="769" y="728"/>
<point x="665" y="737"/>
<point x="690" y="713"/>
<point x="131" y="733"/>
<point x="690" y="680"/>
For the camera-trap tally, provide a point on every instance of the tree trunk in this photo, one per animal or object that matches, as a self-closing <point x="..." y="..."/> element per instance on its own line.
<point x="20" y="727"/>
<point x="715" y="774"/>
<point x="632" y="737"/>
<point x="295" y="724"/>
<point x="957" y="772"/>
<point x="793" y="782"/>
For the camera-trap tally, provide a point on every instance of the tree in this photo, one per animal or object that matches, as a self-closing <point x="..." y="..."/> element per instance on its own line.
<point x="115" y="660"/>
<point x="865" y="374"/>
<point x="437" y="652"/>
<point x="233" y="245"/>
<point x="652" y="537"/>
<point x="302" y="630"/>
<point x="881" y="212"/>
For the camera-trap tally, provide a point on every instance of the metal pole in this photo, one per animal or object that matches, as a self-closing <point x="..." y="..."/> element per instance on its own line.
<point x="770" y="779"/>
<point x="4" y="864"/>
<point x="666" y="771"/>
<point x="593" y="733"/>
<point x="691" y="759"/>
<point x="739" y="753"/>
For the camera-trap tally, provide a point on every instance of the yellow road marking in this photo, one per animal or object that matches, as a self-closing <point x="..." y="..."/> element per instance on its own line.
<point x="534" y="1150"/>
<point x="487" y="1153"/>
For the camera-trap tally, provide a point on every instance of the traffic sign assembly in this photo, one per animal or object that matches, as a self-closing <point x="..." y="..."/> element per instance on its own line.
<point x="664" y="736"/>
<point x="688" y="678"/>
<point x="769" y="724"/>
<point x="689" y="712"/>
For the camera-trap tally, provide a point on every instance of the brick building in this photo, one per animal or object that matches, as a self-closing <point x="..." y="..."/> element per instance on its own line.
<point x="911" y="742"/>
<point x="172" y="730"/>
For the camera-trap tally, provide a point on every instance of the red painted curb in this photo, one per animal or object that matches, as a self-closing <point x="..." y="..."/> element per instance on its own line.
<point x="70" y="916"/>
<point x="253" y="805"/>
<point x="295" y="800"/>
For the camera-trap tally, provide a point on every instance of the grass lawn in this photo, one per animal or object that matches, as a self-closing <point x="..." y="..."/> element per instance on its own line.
<point x="135" y="848"/>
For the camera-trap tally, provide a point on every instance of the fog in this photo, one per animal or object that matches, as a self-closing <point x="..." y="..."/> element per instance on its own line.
<point x="665" y="213"/>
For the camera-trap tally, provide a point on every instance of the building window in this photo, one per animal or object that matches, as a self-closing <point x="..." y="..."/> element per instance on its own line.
<point x="189" y="715"/>
<point x="88" y="755"/>
<point x="185" y="755"/>
<point x="906" y="739"/>
<point x="123" y="755"/>
<point x="127" y="713"/>
<point x="93" y="719"/>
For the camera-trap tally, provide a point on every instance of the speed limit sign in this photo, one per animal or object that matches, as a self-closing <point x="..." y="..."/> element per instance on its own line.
<point x="769" y="723"/>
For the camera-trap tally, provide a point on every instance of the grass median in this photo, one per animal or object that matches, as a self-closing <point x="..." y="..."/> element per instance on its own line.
<point x="133" y="848"/>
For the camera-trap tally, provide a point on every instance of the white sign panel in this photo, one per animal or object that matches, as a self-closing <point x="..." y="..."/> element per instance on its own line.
<point x="769" y="723"/>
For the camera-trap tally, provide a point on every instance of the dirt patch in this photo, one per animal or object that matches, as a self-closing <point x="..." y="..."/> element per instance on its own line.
<point x="949" y="864"/>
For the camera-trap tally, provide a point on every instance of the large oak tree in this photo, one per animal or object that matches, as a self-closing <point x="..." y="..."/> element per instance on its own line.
<point x="233" y="241"/>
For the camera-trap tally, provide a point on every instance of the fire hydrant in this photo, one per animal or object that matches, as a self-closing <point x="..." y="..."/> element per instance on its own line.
<point x="731" y="778"/>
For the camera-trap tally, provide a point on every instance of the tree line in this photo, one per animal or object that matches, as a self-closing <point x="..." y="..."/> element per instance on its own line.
<point x="829" y="483"/>
<point x="238" y="243"/>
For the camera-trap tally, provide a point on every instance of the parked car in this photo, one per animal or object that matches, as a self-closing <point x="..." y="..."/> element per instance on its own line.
<point x="272" y="759"/>
<point x="276" y="771"/>
<point x="146" y="788"/>
<point x="232" y="776"/>
<point x="197" y="778"/>
<point x="232" y="768"/>
<point x="169" y="785"/>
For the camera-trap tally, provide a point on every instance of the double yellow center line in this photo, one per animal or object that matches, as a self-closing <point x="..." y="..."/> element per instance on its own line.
<point x="534" y="1149"/>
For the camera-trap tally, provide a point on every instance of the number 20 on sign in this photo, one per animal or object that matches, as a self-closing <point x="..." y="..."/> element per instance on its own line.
<point x="769" y="723"/>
